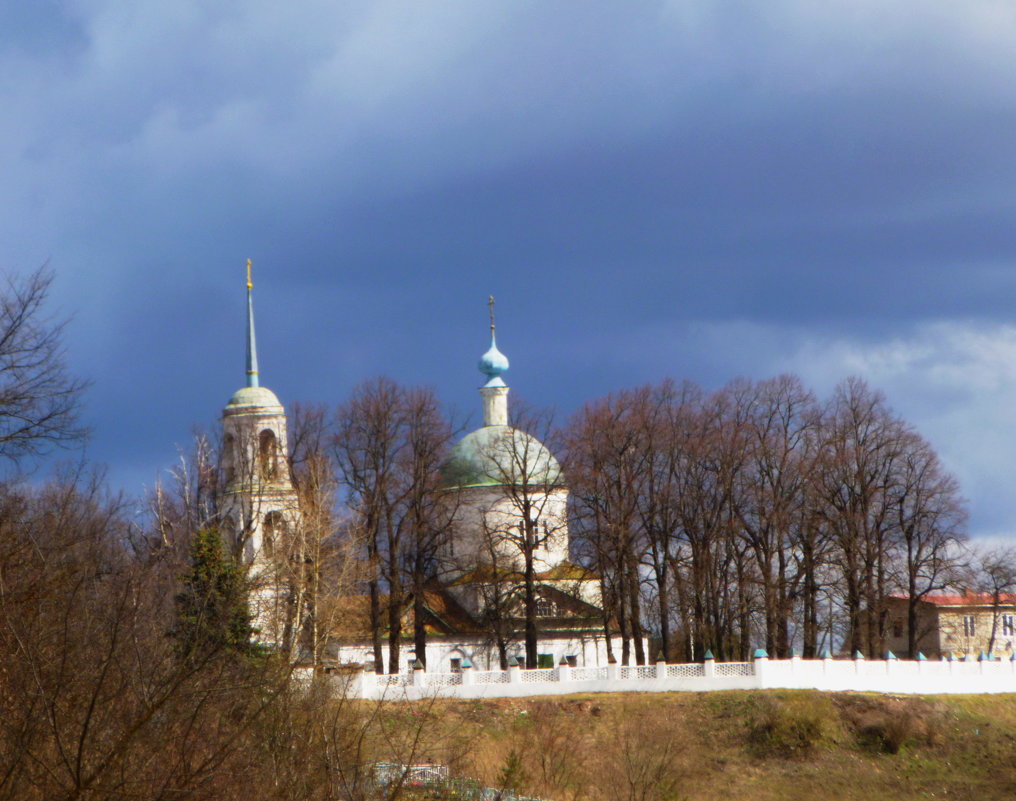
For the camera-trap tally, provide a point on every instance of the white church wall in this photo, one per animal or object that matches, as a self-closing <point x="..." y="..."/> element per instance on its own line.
<point x="587" y="650"/>
<point x="260" y="509"/>
<point x="490" y="512"/>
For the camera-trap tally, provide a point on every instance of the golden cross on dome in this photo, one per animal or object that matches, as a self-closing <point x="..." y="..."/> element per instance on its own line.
<point x="490" y="302"/>
<point x="249" y="284"/>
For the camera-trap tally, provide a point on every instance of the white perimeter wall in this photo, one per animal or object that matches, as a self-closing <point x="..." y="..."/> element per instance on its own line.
<point x="883" y="676"/>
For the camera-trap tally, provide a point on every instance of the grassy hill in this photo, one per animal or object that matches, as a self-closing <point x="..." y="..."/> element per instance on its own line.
<point x="735" y="745"/>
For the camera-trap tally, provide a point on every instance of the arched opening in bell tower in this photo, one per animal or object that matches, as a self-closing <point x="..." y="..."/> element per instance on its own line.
<point x="273" y="532"/>
<point x="229" y="457"/>
<point x="267" y="453"/>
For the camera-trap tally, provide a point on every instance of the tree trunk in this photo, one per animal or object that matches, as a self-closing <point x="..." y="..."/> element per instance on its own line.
<point x="394" y="632"/>
<point x="375" y="626"/>
<point x="530" y="604"/>
<point x="419" y="625"/>
<point x="605" y="612"/>
<point x="663" y="596"/>
<point x="783" y="610"/>
<point x="810" y="603"/>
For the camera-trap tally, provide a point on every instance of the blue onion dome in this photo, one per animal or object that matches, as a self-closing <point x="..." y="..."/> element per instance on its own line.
<point x="493" y="363"/>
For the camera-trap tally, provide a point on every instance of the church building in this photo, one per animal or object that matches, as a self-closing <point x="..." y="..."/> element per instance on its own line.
<point x="511" y="522"/>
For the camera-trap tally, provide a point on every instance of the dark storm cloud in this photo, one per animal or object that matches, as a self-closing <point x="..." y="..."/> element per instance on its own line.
<point x="787" y="177"/>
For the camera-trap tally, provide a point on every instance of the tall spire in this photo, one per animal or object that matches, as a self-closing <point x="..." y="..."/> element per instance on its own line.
<point x="252" y="350"/>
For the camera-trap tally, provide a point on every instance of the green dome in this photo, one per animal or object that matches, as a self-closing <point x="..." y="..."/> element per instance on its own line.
<point x="495" y="456"/>
<point x="253" y="397"/>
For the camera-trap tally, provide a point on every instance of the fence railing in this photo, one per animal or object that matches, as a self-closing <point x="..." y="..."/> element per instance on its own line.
<point x="924" y="677"/>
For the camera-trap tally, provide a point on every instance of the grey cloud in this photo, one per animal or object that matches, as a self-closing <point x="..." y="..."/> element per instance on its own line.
<point x="835" y="170"/>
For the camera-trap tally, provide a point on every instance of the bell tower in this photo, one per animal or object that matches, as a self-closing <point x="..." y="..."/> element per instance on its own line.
<point x="260" y="508"/>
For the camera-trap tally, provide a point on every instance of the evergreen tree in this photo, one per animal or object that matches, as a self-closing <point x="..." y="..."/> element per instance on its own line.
<point x="212" y="613"/>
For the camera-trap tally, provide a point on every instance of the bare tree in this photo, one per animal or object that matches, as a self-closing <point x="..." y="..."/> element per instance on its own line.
<point x="390" y="445"/>
<point x="497" y="580"/>
<point x="93" y="687"/>
<point x="606" y="466"/>
<point x="427" y="509"/>
<point x="529" y="511"/>
<point x="623" y="455"/>
<point x="782" y="419"/>
<point x="328" y="569"/>
<point x="712" y="439"/>
<point x="186" y="500"/>
<point x="751" y="511"/>
<point x="39" y="399"/>
<point x="861" y="443"/>
<point x="366" y="447"/>
<point x="930" y="518"/>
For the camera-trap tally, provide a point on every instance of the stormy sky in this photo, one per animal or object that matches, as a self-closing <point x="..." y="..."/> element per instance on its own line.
<point x="692" y="189"/>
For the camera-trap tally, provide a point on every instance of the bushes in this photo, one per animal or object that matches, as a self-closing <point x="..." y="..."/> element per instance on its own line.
<point x="886" y="725"/>
<point x="778" y="728"/>
<point x="791" y="726"/>
<point x="887" y="733"/>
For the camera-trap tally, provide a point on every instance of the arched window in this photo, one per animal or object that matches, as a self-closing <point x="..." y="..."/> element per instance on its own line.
<point x="229" y="457"/>
<point x="267" y="452"/>
<point x="272" y="532"/>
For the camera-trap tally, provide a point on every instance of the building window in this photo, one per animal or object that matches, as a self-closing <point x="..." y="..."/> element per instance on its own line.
<point x="545" y="608"/>
<point x="456" y="664"/>
<point x="969" y="629"/>
<point x="898" y="629"/>
<point x="1007" y="625"/>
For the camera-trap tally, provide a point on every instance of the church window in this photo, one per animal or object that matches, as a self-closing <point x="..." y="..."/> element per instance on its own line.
<point x="969" y="628"/>
<point x="267" y="453"/>
<point x="456" y="664"/>
<point x="1007" y="626"/>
